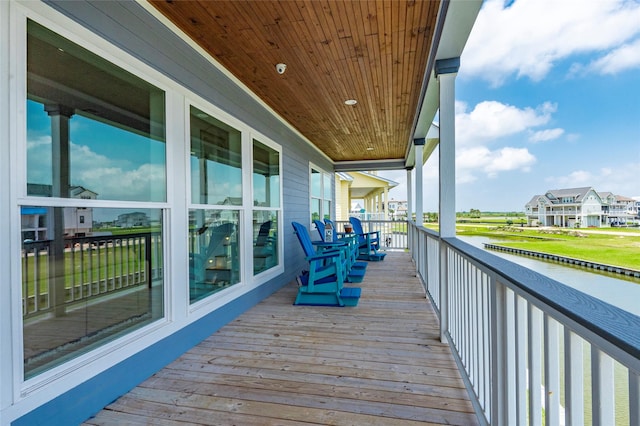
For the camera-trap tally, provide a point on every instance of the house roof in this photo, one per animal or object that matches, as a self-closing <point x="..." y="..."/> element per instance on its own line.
<point x="577" y="193"/>
<point x="554" y="196"/>
<point x="361" y="184"/>
<point x="381" y="53"/>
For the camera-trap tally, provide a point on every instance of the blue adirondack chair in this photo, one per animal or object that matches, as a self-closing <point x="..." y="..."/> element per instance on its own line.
<point x="354" y="270"/>
<point x="368" y="242"/>
<point x="218" y="239"/>
<point x="323" y="284"/>
<point x="265" y="254"/>
<point x="349" y="239"/>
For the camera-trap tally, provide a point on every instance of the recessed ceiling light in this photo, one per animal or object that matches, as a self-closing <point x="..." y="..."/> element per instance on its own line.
<point x="370" y="148"/>
<point x="350" y="102"/>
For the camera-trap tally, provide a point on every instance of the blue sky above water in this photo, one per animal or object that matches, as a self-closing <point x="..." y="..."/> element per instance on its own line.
<point x="548" y="96"/>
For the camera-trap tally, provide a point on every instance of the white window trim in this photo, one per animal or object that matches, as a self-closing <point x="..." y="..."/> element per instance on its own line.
<point x="276" y="270"/>
<point x="323" y="174"/>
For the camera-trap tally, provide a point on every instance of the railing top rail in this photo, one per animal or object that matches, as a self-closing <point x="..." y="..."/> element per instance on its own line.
<point x="427" y="231"/>
<point x="611" y="323"/>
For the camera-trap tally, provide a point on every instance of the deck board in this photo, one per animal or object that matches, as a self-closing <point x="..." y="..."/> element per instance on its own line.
<point x="379" y="363"/>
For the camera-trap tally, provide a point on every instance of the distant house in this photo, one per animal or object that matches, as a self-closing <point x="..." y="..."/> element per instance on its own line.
<point x="131" y="220"/>
<point x="78" y="221"/>
<point x="618" y="209"/>
<point x="578" y="207"/>
<point x="398" y="209"/>
<point x="369" y="188"/>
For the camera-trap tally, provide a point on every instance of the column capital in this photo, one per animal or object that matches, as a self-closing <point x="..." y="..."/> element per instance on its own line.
<point x="447" y="66"/>
<point x="58" y="109"/>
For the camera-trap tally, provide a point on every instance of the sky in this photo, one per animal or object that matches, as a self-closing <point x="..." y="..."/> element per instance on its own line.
<point x="547" y="97"/>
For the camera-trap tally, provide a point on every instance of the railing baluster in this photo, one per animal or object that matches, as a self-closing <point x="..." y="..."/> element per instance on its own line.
<point x="93" y="266"/>
<point x="534" y="323"/>
<point x="486" y="346"/>
<point x="521" y="359"/>
<point x="498" y="353"/>
<point x="602" y="389"/>
<point x="574" y="379"/>
<point x="634" y="398"/>
<point x="510" y="355"/>
<point x="551" y="372"/>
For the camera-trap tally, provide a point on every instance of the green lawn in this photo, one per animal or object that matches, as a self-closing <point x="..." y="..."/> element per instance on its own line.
<point x="586" y="244"/>
<point x="82" y="268"/>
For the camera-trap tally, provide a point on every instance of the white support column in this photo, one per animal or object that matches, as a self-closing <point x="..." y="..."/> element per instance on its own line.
<point x="385" y="202"/>
<point x="419" y="144"/>
<point x="446" y="71"/>
<point x="59" y="115"/>
<point x="409" y="194"/>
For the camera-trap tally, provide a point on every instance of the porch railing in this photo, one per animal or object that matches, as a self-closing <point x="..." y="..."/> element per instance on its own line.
<point x="393" y="233"/>
<point x="93" y="267"/>
<point x="531" y="350"/>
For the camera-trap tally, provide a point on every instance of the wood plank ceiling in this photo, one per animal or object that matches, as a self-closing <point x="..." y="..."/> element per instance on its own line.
<point x="373" y="51"/>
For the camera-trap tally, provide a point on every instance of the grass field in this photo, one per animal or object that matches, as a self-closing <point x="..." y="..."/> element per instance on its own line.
<point x="611" y="246"/>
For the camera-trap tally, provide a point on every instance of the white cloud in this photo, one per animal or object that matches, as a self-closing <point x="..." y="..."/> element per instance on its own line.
<point x="481" y="159"/>
<point x="490" y="120"/>
<point x="528" y="37"/>
<point x="110" y="178"/>
<point x="624" y="58"/>
<point x="621" y="179"/>
<point x="546" y="135"/>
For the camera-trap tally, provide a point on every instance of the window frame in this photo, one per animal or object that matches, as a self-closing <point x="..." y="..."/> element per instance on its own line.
<point x="279" y="267"/>
<point x="323" y="174"/>
<point x="137" y="339"/>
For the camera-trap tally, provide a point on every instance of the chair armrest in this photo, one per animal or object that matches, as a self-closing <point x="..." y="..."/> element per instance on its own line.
<point x="328" y="245"/>
<point x="323" y="255"/>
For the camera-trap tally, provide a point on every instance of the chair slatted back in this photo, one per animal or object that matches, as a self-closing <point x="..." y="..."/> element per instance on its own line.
<point x="304" y="238"/>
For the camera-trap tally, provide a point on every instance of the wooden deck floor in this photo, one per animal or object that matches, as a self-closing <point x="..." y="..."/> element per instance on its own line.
<point x="380" y="363"/>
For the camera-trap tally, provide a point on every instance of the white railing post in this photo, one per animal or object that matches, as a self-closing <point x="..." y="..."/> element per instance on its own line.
<point x="573" y="379"/>
<point x="602" y="389"/>
<point x="551" y="372"/>
<point x="534" y="322"/>
<point x="444" y="292"/>
<point x="634" y="398"/>
<point x="498" y="362"/>
<point x="509" y="356"/>
<point x="521" y="359"/>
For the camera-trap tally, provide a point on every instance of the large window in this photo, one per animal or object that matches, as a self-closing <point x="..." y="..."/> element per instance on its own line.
<point x="321" y="192"/>
<point x="266" y="214"/>
<point x="216" y="179"/>
<point x="94" y="132"/>
<point x="91" y="125"/>
<point x="216" y="161"/>
<point x="214" y="255"/>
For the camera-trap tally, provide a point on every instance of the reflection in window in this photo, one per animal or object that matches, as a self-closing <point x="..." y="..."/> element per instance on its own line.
<point x="265" y="240"/>
<point x="266" y="175"/>
<point x="320" y="203"/>
<point x="91" y="126"/>
<point x="216" y="161"/>
<point x="85" y="284"/>
<point x="214" y="254"/>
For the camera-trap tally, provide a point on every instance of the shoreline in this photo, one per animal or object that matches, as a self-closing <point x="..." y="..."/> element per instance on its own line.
<point x="564" y="259"/>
